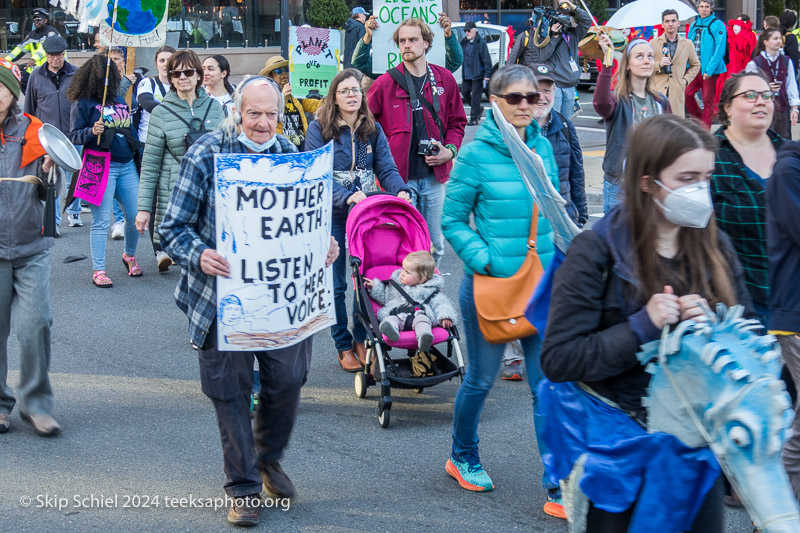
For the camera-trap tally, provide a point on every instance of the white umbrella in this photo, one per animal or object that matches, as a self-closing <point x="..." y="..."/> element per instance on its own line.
<point x="648" y="13"/>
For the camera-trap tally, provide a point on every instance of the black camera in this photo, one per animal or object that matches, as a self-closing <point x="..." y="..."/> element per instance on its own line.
<point x="427" y="147"/>
<point x="544" y="17"/>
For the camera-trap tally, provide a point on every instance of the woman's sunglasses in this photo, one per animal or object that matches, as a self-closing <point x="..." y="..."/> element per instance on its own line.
<point x="186" y="72"/>
<point x="279" y="71"/>
<point x="516" y="98"/>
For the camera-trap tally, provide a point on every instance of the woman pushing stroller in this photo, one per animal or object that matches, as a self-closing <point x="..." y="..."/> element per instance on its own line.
<point x="413" y="300"/>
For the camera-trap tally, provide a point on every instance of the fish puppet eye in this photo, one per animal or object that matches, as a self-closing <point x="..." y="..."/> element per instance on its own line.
<point x="740" y="436"/>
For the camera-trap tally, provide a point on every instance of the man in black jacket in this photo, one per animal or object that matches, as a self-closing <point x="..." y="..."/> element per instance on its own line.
<point x="354" y="31"/>
<point x="783" y="249"/>
<point x="476" y="72"/>
<point x="46" y="99"/>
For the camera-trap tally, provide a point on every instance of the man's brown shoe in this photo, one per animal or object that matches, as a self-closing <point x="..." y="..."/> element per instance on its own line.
<point x="4" y="423"/>
<point x="276" y="482"/>
<point x="361" y="352"/>
<point x="245" y="511"/>
<point x="43" y="425"/>
<point x="348" y="361"/>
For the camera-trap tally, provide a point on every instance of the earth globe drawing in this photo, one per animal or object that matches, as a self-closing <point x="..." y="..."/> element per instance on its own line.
<point x="137" y="17"/>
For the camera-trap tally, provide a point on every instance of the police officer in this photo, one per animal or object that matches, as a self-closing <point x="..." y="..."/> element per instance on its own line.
<point x="32" y="44"/>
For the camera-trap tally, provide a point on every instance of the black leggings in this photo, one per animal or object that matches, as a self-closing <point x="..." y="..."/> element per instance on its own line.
<point x="709" y="518"/>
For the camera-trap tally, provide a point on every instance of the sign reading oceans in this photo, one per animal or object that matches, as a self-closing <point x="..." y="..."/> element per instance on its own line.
<point x="391" y="13"/>
<point x="273" y="226"/>
<point x="139" y="23"/>
<point x="313" y="59"/>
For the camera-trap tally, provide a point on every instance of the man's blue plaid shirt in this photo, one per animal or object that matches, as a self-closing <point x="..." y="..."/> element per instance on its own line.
<point x="189" y="227"/>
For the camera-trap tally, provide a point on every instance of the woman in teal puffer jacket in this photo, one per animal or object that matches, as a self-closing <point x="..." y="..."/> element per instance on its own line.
<point x="486" y="184"/>
<point x="186" y="103"/>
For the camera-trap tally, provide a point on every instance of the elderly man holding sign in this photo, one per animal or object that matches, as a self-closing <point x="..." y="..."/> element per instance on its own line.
<point x="419" y="107"/>
<point x="188" y="234"/>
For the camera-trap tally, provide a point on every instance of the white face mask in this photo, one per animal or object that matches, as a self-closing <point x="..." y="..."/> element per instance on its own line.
<point x="254" y="146"/>
<point x="688" y="206"/>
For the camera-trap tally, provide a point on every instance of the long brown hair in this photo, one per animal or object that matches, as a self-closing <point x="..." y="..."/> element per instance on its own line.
<point x="623" y="77"/>
<point x="328" y="113"/>
<point x="703" y="267"/>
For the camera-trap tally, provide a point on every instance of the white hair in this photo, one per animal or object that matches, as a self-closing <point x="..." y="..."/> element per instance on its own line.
<point x="231" y="126"/>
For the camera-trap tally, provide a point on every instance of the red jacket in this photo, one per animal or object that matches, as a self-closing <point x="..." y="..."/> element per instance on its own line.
<point x="391" y="106"/>
<point x="740" y="47"/>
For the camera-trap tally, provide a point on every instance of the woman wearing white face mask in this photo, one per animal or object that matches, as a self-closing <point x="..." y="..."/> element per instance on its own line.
<point x="652" y="261"/>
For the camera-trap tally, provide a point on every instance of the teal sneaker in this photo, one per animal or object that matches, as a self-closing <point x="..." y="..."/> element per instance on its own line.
<point x="554" y="506"/>
<point x="469" y="473"/>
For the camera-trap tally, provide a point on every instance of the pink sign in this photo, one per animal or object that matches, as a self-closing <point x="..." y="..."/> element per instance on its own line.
<point x="93" y="177"/>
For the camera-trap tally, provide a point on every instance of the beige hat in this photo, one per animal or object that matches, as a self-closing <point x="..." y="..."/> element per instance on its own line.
<point x="273" y="63"/>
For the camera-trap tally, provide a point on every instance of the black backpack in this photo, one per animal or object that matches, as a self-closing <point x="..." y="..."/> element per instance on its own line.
<point x="196" y="126"/>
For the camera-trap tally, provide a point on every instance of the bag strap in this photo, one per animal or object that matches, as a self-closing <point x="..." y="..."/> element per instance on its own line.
<point x="534" y="227"/>
<point x="405" y="83"/>
<point x="168" y="108"/>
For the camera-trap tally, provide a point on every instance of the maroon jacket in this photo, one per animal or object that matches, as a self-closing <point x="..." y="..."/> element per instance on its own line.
<point x="391" y="106"/>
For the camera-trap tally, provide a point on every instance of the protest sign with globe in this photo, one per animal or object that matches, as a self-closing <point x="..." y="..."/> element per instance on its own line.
<point x="139" y="23"/>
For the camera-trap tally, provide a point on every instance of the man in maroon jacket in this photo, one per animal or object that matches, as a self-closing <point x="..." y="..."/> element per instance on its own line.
<point x="419" y="107"/>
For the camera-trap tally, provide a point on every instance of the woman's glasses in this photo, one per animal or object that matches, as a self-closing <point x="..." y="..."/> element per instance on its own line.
<point x="751" y="96"/>
<point x="349" y="91"/>
<point x="279" y="71"/>
<point x="186" y="72"/>
<point x="516" y="98"/>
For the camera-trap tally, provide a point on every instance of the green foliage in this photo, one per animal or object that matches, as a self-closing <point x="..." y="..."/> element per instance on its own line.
<point x="774" y="7"/>
<point x="599" y="9"/>
<point x="328" y="13"/>
<point x="175" y="8"/>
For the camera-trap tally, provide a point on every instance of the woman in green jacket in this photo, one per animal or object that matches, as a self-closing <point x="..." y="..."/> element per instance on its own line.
<point x="486" y="184"/>
<point x="185" y="105"/>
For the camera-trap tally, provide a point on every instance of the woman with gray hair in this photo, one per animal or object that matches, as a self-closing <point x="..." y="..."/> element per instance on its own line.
<point x="486" y="185"/>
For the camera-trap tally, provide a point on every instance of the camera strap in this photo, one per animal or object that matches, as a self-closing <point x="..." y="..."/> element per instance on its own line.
<point x="407" y="84"/>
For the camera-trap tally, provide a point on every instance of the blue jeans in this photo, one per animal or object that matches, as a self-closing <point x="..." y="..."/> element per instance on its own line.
<point x="612" y="195"/>
<point x="564" y="100"/>
<point x="118" y="216"/>
<point x="123" y="184"/>
<point x="485" y="361"/>
<point x="341" y="335"/>
<point x="427" y="195"/>
<point x="25" y="302"/>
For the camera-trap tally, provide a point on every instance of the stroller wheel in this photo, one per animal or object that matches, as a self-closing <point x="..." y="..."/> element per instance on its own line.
<point x="419" y="390"/>
<point x="361" y="385"/>
<point x="383" y="415"/>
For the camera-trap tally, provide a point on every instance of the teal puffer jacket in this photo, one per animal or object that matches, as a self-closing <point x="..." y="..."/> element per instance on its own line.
<point x="164" y="149"/>
<point x="486" y="183"/>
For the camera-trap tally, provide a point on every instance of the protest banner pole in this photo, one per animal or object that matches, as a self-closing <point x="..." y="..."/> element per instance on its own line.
<point x="285" y="28"/>
<point x="108" y="63"/>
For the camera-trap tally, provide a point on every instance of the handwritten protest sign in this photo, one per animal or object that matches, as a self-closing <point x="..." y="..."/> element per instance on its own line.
<point x="313" y="59"/>
<point x="138" y="23"/>
<point x="93" y="176"/>
<point x="273" y="225"/>
<point x="391" y="13"/>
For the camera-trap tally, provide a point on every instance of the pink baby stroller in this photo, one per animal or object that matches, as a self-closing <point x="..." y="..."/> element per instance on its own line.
<point x="381" y="231"/>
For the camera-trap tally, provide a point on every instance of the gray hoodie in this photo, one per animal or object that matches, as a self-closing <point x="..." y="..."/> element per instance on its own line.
<point x="21" y="206"/>
<point x="437" y="309"/>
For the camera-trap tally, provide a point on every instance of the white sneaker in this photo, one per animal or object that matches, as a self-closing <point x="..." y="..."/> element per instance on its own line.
<point x="118" y="230"/>
<point x="164" y="261"/>
<point x="74" y="221"/>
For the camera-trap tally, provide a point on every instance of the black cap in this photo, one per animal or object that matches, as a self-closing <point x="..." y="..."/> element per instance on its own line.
<point x="543" y="73"/>
<point x="469" y="26"/>
<point x="55" y="44"/>
<point x="39" y="12"/>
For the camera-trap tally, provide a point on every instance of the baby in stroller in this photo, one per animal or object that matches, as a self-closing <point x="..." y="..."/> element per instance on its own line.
<point x="412" y="300"/>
